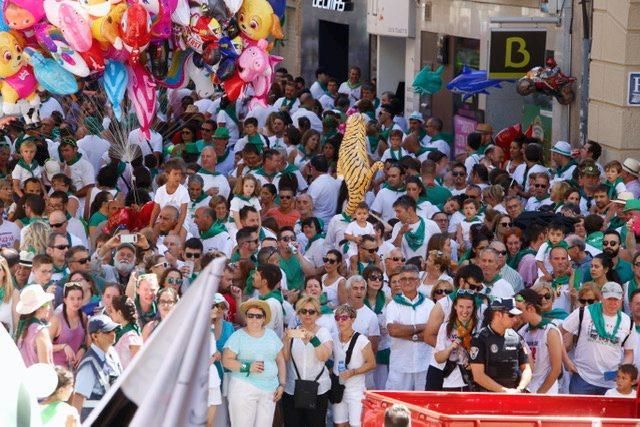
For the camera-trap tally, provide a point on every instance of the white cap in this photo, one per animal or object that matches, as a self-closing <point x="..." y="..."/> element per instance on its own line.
<point x="562" y="147"/>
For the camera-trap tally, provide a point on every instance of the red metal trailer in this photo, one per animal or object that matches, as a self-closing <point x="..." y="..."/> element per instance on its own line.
<point x="431" y="409"/>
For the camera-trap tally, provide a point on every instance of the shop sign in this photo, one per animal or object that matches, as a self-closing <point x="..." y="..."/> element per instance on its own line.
<point x="337" y="5"/>
<point x="514" y="51"/>
<point x="633" y="93"/>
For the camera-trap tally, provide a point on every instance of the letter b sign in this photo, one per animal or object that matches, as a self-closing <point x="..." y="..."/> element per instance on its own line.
<point x="513" y="52"/>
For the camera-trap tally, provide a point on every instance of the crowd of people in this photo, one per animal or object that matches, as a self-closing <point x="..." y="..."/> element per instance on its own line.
<point x="495" y="269"/>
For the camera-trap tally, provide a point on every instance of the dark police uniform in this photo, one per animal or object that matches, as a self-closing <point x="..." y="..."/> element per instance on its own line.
<point x="500" y="355"/>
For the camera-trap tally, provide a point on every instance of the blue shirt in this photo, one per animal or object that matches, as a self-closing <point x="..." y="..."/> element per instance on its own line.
<point x="250" y="349"/>
<point x="227" y="331"/>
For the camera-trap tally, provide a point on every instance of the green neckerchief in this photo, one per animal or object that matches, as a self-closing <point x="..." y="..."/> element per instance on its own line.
<point x="215" y="229"/>
<point x="230" y="109"/>
<point x="49" y="411"/>
<point x="616" y="222"/>
<point x="556" y="313"/>
<point x="198" y="199"/>
<point x="121" y="330"/>
<point x="514" y="261"/>
<point x="611" y="192"/>
<point x="323" y="87"/>
<point x="395" y="189"/>
<point x="261" y="234"/>
<point x="595" y="239"/>
<point x="242" y="197"/>
<point x="633" y="285"/>
<point x="317" y="236"/>
<point x="222" y="158"/>
<point x="540" y="199"/>
<point x="62" y="269"/>
<point x="383" y="134"/>
<point x="398" y="154"/>
<point x="362" y="266"/>
<point x="489" y="283"/>
<point x="402" y="300"/>
<point x="560" y="281"/>
<point x="543" y="324"/>
<point x="415" y="239"/>
<point x="379" y="304"/>
<point x="474" y="219"/>
<point x="562" y="244"/>
<point x="74" y="160"/>
<point x="423" y="150"/>
<point x="346" y="218"/>
<point x="30" y="168"/>
<point x="422" y="134"/>
<point x="440" y="136"/>
<point x="206" y="172"/>
<point x="289" y="169"/>
<point x="466" y="256"/>
<point x="598" y="322"/>
<point x="288" y="104"/>
<point x="256" y="140"/>
<point x="353" y="86"/>
<point x="324" y="304"/>
<point x="269" y="176"/>
<point x="560" y="171"/>
<point x="3" y="292"/>
<point x="149" y="315"/>
<point x="275" y="294"/>
<point x="24" y="324"/>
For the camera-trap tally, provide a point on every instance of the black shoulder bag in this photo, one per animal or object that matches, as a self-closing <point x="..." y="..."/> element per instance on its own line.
<point x="337" y="389"/>
<point x="305" y="393"/>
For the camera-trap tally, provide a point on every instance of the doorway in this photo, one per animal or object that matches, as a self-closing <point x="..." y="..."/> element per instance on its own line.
<point x="333" y="49"/>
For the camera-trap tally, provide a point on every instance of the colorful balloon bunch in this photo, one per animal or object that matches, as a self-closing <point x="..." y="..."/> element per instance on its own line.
<point x="135" y="46"/>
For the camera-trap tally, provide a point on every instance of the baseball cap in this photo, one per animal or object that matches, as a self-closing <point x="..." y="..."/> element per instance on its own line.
<point x="562" y="147"/>
<point x="101" y="323"/>
<point x="505" y="304"/>
<point x="611" y="290"/>
<point x="219" y="299"/>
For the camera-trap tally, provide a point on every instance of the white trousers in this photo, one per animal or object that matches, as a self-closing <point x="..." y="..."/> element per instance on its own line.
<point x="249" y="406"/>
<point x="415" y="381"/>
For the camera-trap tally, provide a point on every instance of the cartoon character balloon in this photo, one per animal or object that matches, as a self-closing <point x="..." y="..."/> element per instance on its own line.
<point x="255" y="67"/>
<point x="23" y="14"/>
<point x="50" y="75"/>
<point x="257" y="20"/>
<point x="19" y="83"/>
<point x="135" y="30"/>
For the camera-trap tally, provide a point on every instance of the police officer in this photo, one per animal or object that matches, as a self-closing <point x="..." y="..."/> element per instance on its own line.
<point x="497" y="356"/>
<point x="100" y="366"/>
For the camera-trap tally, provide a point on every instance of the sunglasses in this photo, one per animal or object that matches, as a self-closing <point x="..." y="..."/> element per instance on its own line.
<point x="371" y="251"/>
<point x="443" y="291"/>
<point x="329" y="260"/>
<point x="375" y="277"/>
<point x="255" y="316"/>
<point x="547" y="296"/>
<point x="474" y="288"/>
<point x="511" y="316"/>
<point x="61" y="247"/>
<point x="584" y="301"/>
<point x="506" y="224"/>
<point x="609" y="243"/>
<point x="540" y="185"/>
<point x="342" y="318"/>
<point x="288" y="239"/>
<point x="286" y="197"/>
<point x="304" y="312"/>
<point x="58" y="225"/>
<point x="457" y="173"/>
<point x="195" y="255"/>
<point x="173" y="281"/>
<point x="503" y="253"/>
<point x="82" y="261"/>
<point x="397" y="259"/>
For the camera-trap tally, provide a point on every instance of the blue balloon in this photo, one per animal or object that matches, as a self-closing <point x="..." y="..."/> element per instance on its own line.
<point x="3" y="23"/>
<point x="51" y="76"/>
<point x="279" y="7"/>
<point x="470" y="82"/>
<point x="114" y="81"/>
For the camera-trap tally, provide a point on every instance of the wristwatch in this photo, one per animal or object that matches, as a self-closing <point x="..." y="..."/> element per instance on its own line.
<point x="414" y="337"/>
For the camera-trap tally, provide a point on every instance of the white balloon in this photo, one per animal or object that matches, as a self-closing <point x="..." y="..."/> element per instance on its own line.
<point x="41" y="380"/>
<point x="233" y="5"/>
<point x="182" y="14"/>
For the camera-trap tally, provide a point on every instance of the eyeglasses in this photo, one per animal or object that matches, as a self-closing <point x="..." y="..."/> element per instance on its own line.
<point x="540" y="185"/>
<point x="58" y="225"/>
<point x="506" y="224"/>
<point x="173" y="281"/>
<point x="375" y="277"/>
<point x="310" y="312"/>
<point x="457" y="173"/>
<point x="585" y="301"/>
<point x="443" y="291"/>
<point x="61" y="247"/>
<point x="288" y="238"/>
<point x="474" y="288"/>
<point x="82" y="260"/>
<point x="636" y="264"/>
<point x="547" y="296"/>
<point x="609" y="243"/>
<point x="255" y="316"/>
<point x="195" y="255"/>
<point x="329" y="260"/>
<point x="397" y="259"/>
<point x="342" y="318"/>
<point x="166" y="302"/>
<point x="371" y="250"/>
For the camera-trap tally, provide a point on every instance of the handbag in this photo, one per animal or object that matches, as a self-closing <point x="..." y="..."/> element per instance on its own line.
<point x="337" y="390"/>
<point x="305" y="392"/>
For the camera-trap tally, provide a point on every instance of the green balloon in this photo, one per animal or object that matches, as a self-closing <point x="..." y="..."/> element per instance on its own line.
<point x="428" y="81"/>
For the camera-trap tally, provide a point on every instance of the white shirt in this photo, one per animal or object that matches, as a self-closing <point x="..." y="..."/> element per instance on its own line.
<point x="612" y="392"/>
<point x="316" y="90"/>
<point x="9" y="233"/>
<point x="82" y="173"/>
<point x="309" y="367"/>
<point x="594" y="355"/>
<point x="22" y="174"/>
<point x="324" y="192"/>
<point x="537" y="341"/>
<point x="354" y="93"/>
<point x="228" y="122"/>
<point x="94" y="147"/>
<point x="408" y="356"/>
<point x="147" y="147"/>
<point x="177" y="199"/>
<point x="315" y="253"/>
<point x="383" y="203"/>
<point x="335" y="232"/>
<point x="277" y="317"/>
<point x="218" y="181"/>
<point x="366" y="322"/>
<point x="430" y="229"/>
<point x="280" y="101"/>
<point x="519" y="176"/>
<point x="500" y="289"/>
<point x="440" y="144"/>
<point x="316" y="124"/>
<point x="357" y="382"/>
<point x="220" y="242"/>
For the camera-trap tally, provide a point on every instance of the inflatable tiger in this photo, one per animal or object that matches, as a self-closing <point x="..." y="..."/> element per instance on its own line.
<point x="353" y="161"/>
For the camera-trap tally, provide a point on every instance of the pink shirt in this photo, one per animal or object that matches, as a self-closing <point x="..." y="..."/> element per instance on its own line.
<point x="23" y="82"/>
<point x="27" y="345"/>
<point x="72" y="337"/>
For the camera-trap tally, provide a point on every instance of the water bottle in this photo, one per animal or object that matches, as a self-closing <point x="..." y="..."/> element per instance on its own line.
<point x="341" y="368"/>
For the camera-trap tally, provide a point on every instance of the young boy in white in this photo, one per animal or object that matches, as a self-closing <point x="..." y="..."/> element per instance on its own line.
<point x="625" y="380"/>
<point x="173" y="193"/>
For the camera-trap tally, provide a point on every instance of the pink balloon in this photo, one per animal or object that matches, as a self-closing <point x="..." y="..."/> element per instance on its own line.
<point x="256" y="68"/>
<point x="75" y="27"/>
<point x="141" y="90"/>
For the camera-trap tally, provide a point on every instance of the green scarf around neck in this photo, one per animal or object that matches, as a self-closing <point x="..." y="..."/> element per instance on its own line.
<point x="402" y="300"/>
<point x="597" y="317"/>
<point x="324" y="304"/>
<point x="206" y="172"/>
<point x="379" y="303"/>
<point x="317" y="236"/>
<point x="215" y="229"/>
<point x="541" y="325"/>
<point x="556" y="313"/>
<point x="121" y="330"/>
<point x="514" y="261"/>
<point x="198" y="199"/>
<point x="149" y="315"/>
<point x="415" y="239"/>
<point x="29" y="167"/>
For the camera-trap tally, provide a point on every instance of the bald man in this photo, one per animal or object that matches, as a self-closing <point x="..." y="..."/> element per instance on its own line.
<point x="214" y="183"/>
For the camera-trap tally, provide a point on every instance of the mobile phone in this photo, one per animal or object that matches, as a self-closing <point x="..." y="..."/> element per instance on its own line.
<point x="129" y="238"/>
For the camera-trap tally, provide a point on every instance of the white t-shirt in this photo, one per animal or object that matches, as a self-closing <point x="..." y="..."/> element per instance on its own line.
<point x="315" y="253"/>
<point x="366" y="322"/>
<point x="215" y="180"/>
<point x="595" y="355"/>
<point x="612" y="392"/>
<point x="94" y="147"/>
<point x="316" y="124"/>
<point x="177" y="199"/>
<point x="383" y="203"/>
<point x="82" y="173"/>
<point x="430" y="228"/>
<point x="500" y="289"/>
<point x="357" y="382"/>
<point x="148" y="147"/>
<point x="324" y="192"/>
<point x="22" y="174"/>
<point x="442" y="342"/>
<point x="9" y="233"/>
<point x="308" y="364"/>
<point x="536" y="340"/>
<point x="237" y="203"/>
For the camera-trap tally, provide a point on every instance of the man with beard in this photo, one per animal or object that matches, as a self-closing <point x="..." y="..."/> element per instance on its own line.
<point x="611" y="247"/>
<point x="459" y="174"/>
<point x="124" y="261"/>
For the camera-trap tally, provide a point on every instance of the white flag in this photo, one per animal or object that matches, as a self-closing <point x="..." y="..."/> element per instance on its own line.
<point x="167" y="383"/>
